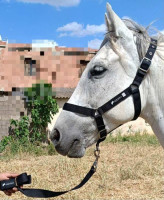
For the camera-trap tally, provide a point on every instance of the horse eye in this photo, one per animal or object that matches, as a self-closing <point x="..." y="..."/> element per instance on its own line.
<point x="97" y="70"/>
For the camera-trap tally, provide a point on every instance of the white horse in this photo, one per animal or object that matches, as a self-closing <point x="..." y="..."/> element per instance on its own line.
<point x="111" y="71"/>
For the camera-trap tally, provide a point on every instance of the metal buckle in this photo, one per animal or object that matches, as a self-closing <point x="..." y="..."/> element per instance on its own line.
<point x="145" y="58"/>
<point x="100" y="134"/>
<point x="153" y="42"/>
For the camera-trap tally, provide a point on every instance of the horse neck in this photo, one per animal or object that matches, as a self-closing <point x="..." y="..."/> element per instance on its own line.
<point x="153" y="86"/>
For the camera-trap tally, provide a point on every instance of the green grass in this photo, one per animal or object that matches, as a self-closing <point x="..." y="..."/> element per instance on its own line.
<point x="39" y="149"/>
<point x="15" y="149"/>
<point x="137" y="138"/>
<point x="130" y="167"/>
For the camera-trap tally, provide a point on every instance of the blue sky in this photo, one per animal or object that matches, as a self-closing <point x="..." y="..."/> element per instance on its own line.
<point x="70" y="23"/>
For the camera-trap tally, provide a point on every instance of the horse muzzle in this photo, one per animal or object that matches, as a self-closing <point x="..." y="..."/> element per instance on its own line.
<point x="71" y="147"/>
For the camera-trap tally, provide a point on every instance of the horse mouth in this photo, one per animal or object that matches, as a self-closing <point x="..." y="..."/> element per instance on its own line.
<point x="75" y="150"/>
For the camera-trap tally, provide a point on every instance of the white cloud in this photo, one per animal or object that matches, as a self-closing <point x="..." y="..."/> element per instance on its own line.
<point x="94" y="44"/>
<point x="162" y="31"/>
<point x="63" y="35"/>
<point x="72" y="27"/>
<point x="44" y="44"/>
<point x="78" y="30"/>
<point x="56" y="3"/>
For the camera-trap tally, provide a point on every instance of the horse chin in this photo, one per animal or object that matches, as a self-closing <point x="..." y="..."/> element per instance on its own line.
<point x="76" y="152"/>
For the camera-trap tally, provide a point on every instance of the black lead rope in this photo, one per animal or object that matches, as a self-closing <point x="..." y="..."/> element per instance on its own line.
<point x="40" y="193"/>
<point x="23" y="179"/>
<point x="132" y="90"/>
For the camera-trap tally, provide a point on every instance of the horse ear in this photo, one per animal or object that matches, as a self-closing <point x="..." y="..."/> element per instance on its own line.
<point x="114" y="23"/>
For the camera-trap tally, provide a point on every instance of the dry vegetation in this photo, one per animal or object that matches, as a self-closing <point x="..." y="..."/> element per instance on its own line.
<point x="127" y="170"/>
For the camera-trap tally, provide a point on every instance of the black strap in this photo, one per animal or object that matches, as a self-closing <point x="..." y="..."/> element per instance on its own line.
<point x="142" y="71"/>
<point x="145" y="64"/>
<point x="136" y="101"/>
<point x="23" y="179"/>
<point x="100" y="126"/>
<point x="115" y="101"/>
<point x="40" y="193"/>
<point x="79" y="109"/>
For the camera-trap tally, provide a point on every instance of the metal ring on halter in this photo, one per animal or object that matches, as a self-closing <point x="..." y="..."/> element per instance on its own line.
<point x="97" y="152"/>
<point x="97" y="155"/>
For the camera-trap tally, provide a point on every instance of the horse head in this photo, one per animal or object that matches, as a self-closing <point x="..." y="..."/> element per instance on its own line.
<point x="111" y="71"/>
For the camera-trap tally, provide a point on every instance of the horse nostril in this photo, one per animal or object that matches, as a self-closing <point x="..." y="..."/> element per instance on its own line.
<point x="55" y="135"/>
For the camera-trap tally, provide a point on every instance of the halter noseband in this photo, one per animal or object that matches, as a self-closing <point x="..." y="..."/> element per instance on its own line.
<point x="133" y="90"/>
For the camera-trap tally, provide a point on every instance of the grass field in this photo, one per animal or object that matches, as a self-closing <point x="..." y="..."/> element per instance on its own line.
<point x="130" y="168"/>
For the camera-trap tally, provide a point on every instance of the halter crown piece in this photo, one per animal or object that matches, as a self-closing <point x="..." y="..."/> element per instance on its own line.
<point x="97" y="114"/>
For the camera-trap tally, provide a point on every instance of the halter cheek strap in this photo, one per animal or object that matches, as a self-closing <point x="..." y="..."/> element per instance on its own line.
<point x="133" y="90"/>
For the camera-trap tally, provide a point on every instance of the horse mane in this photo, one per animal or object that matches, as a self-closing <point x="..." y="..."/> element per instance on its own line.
<point x="142" y="37"/>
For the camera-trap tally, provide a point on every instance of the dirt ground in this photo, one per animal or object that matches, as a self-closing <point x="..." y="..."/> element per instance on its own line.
<point x="125" y="171"/>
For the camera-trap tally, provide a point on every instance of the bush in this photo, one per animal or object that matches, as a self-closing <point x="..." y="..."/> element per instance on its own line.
<point x="32" y="130"/>
<point x="42" y="107"/>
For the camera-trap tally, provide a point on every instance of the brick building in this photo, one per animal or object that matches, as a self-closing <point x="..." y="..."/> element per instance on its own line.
<point x="22" y="65"/>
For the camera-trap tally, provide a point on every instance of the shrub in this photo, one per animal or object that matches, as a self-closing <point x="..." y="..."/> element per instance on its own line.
<point x="32" y="129"/>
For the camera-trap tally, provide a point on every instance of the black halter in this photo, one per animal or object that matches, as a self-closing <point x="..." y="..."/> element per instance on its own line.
<point x="133" y="90"/>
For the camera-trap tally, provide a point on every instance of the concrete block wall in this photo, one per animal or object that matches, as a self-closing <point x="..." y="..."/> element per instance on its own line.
<point x="11" y="107"/>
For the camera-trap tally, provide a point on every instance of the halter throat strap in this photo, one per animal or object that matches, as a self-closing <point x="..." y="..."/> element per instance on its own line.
<point x="133" y="90"/>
